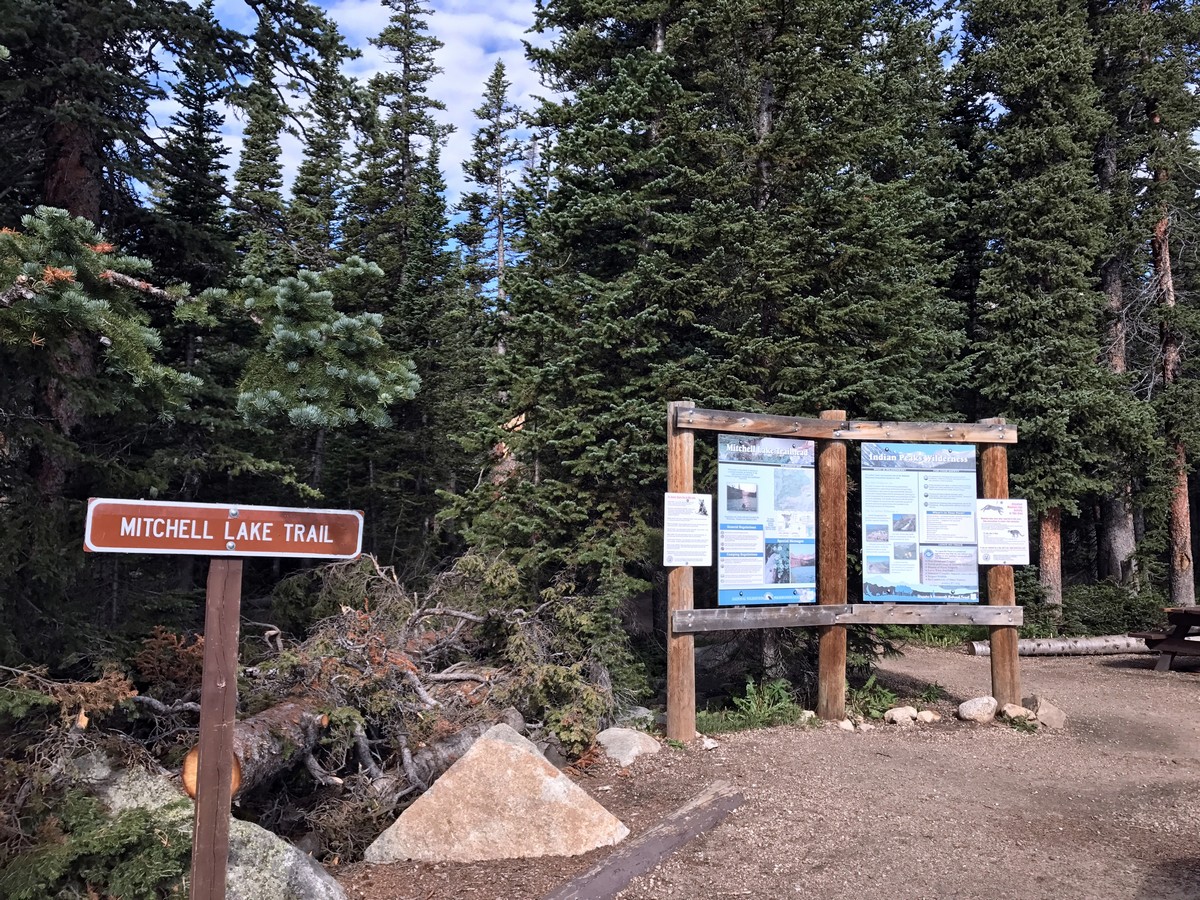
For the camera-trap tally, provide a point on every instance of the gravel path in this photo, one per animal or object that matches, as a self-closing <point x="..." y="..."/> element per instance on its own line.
<point x="1107" y="808"/>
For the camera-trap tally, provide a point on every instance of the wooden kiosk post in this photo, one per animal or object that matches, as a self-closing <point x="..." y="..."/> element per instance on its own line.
<point x="832" y="545"/>
<point x="1001" y="586"/>
<point x="681" y="648"/>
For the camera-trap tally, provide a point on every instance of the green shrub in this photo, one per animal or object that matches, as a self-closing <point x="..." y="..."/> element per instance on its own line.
<point x="871" y="700"/>
<point x="764" y="704"/>
<point x="85" y="853"/>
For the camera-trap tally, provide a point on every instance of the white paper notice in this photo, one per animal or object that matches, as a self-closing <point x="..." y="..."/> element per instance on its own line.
<point x="1003" y="532"/>
<point x="687" y="530"/>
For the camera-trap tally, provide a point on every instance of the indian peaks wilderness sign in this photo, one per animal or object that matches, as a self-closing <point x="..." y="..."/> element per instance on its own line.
<point x="221" y="529"/>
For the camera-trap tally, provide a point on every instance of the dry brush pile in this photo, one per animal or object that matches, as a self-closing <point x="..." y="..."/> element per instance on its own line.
<point x="337" y="731"/>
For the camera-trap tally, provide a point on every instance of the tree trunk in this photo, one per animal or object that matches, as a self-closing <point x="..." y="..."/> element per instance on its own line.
<point x="73" y="175"/>
<point x="1117" y="541"/>
<point x="1090" y="646"/>
<point x="1050" y="559"/>
<point x="1179" y="523"/>
<point x="265" y="745"/>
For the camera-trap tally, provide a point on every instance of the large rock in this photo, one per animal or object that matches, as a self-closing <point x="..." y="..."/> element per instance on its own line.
<point x="624" y="745"/>
<point x="979" y="709"/>
<point x="262" y="865"/>
<point x="502" y="800"/>
<point x="1049" y="715"/>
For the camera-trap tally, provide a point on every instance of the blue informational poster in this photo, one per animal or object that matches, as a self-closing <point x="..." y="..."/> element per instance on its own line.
<point x="918" y="522"/>
<point x="766" y="521"/>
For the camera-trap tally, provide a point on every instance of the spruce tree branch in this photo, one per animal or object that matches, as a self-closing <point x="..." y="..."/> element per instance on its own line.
<point x="135" y="284"/>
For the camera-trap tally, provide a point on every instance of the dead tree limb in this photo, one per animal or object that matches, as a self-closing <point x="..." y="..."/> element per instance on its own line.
<point x="265" y="745"/>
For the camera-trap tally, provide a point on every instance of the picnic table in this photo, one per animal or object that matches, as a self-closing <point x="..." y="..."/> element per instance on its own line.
<point x="1183" y="621"/>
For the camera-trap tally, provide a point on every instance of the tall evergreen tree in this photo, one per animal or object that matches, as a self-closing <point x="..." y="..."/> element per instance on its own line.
<point x="257" y="201"/>
<point x="486" y="233"/>
<point x="192" y="211"/>
<point x="397" y="218"/>
<point x="318" y="193"/>
<point x="1039" y="304"/>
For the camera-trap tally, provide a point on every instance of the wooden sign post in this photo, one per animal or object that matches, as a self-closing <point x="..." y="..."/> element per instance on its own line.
<point x="219" y="530"/>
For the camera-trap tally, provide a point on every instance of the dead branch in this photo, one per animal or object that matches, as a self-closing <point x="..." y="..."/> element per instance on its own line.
<point x="457" y="677"/>
<point x="365" y="759"/>
<point x="135" y="284"/>
<point x="20" y="290"/>
<point x="157" y="706"/>
<point x="415" y="683"/>
<point x="320" y="775"/>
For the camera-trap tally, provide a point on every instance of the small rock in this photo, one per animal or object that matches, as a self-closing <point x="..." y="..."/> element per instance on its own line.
<point x="1047" y="713"/>
<point x="708" y="743"/>
<point x="928" y="715"/>
<point x="624" y="745"/>
<point x="900" y="715"/>
<point x="806" y="716"/>
<point x="846" y="725"/>
<point x="978" y="709"/>
<point x="866" y="726"/>
<point x="636" y="717"/>
<point x="1012" y="711"/>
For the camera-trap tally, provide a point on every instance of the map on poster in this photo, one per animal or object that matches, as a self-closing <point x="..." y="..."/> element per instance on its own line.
<point x="918" y="522"/>
<point x="766" y="520"/>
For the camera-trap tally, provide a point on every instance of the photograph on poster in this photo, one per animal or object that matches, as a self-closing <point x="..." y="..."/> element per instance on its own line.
<point x="766" y="524"/>
<point x="918" y="505"/>
<point x="741" y="497"/>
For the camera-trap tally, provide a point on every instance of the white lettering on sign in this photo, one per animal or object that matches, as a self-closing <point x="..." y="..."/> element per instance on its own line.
<point x="310" y="534"/>
<point x="183" y="529"/>
<point x="248" y="531"/>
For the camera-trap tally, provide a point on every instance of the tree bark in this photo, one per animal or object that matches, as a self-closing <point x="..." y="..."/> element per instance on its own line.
<point x="73" y="175"/>
<point x="1050" y="558"/>
<point x="1090" y="646"/>
<point x="265" y="745"/>
<point x="1117" y="539"/>
<point x="1179" y="523"/>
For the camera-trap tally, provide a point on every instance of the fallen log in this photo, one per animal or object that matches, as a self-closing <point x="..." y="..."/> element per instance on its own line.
<point x="1079" y="646"/>
<point x="266" y="744"/>
<point x="612" y="875"/>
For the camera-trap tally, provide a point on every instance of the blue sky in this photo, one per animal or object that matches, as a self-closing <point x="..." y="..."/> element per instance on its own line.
<point x="475" y="33"/>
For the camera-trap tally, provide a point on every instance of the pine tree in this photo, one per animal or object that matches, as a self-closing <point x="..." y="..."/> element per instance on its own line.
<point x="257" y="201"/>
<point x="398" y="128"/>
<point x="318" y="193"/>
<point x="486" y="231"/>
<point x="1039" y="304"/>
<point x="191" y="241"/>
<point x="81" y="383"/>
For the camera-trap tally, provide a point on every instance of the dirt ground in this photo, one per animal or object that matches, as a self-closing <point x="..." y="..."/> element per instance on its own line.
<point x="1107" y="808"/>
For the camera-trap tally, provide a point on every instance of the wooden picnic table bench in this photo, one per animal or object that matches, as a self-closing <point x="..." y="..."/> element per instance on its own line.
<point x="1183" y="620"/>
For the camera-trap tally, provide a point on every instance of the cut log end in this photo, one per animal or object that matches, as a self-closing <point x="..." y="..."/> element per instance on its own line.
<point x="191" y="770"/>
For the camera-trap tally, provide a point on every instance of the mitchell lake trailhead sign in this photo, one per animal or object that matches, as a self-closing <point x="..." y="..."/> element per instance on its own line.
<point x="219" y="530"/>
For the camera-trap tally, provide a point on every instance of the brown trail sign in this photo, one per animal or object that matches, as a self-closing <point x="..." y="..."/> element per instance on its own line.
<point x="219" y="530"/>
